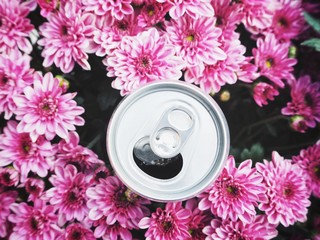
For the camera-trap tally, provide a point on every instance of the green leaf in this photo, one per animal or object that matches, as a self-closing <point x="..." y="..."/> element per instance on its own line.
<point x="255" y="153"/>
<point x="313" y="42"/>
<point x="313" y="22"/>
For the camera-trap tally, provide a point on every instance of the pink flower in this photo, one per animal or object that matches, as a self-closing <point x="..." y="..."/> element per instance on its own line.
<point x="117" y="8"/>
<point x="26" y="155"/>
<point x="66" y="39"/>
<point x="309" y="162"/>
<point x="70" y="152"/>
<point x="236" y="192"/>
<point x="111" y="232"/>
<point x="6" y="199"/>
<point x="288" y="21"/>
<point x="109" y="33"/>
<point x="168" y="223"/>
<point x="112" y="200"/>
<point x="44" y="110"/>
<point x="152" y="14"/>
<point x="287" y="191"/>
<point x="305" y="101"/>
<point x="76" y="231"/>
<point x="262" y="92"/>
<point x="228" y="16"/>
<point x="47" y="7"/>
<point x="192" y="8"/>
<point x="197" y="221"/>
<point x="9" y="177"/>
<point x="259" y="229"/>
<point x="196" y="40"/>
<point x="298" y="123"/>
<point x="15" y="74"/>
<point x="15" y="27"/>
<point x="34" y="222"/>
<point x="34" y="187"/>
<point x="144" y="58"/>
<point x="213" y="76"/>
<point x="248" y="71"/>
<point x="272" y="59"/>
<point x="258" y="14"/>
<point x="100" y="173"/>
<point x="68" y="193"/>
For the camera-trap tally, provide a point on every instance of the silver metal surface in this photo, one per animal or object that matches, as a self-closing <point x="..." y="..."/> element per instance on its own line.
<point x="168" y="117"/>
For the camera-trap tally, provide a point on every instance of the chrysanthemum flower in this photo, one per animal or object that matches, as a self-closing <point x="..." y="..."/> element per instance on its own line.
<point x="76" y="231"/>
<point x="26" y="155"/>
<point x="305" y="101"/>
<point x="47" y="7"/>
<point x="112" y="200"/>
<point x="44" y="110"/>
<point x="111" y="232"/>
<point x="272" y="59"/>
<point x="309" y="162"/>
<point x="228" y="15"/>
<point x="288" y="21"/>
<point x="34" y="187"/>
<point x="223" y="71"/>
<point x="9" y="177"/>
<point x="168" y="223"/>
<point x="117" y="8"/>
<point x="196" y="40"/>
<point x="152" y="14"/>
<point x="34" y="222"/>
<point x="6" y="199"/>
<point x="258" y="14"/>
<point x="66" y="39"/>
<point x="259" y="229"/>
<point x="262" y="92"/>
<point x="70" y="152"/>
<point x="68" y="193"/>
<point x="109" y="33"/>
<point x="198" y="220"/>
<point x="236" y="192"/>
<point x="141" y="59"/>
<point x="192" y="8"/>
<point x="288" y="196"/>
<point x="248" y="72"/>
<point x="15" y="74"/>
<point x="15" y="27"/>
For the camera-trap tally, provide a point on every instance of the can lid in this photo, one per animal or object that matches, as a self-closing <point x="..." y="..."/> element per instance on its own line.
<point x="168" y="140"/>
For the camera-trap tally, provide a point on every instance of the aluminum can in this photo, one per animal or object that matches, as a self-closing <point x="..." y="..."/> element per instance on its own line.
<point x="168" y="140"/>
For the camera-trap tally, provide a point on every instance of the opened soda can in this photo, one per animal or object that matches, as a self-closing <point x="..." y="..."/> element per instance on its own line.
<point x="168" y="141"/>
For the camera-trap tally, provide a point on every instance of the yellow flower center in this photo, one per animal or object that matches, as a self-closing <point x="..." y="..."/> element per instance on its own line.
<point x="190" y="37"/>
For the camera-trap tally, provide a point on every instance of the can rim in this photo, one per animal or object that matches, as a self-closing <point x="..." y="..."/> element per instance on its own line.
<point x="217" y="116"/>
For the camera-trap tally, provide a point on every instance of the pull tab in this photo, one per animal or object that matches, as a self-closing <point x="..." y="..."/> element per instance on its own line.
<point x="172" y="132"/>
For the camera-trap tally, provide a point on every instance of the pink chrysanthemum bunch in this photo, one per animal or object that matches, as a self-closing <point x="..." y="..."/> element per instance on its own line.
<point x="305" y="104"/>
<point x="236" y="193"/>
<point x="288" y="196"/>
